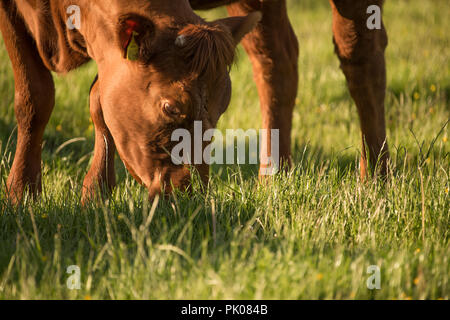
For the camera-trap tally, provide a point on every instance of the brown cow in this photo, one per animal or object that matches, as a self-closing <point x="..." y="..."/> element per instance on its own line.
<point x="161" y="67"/>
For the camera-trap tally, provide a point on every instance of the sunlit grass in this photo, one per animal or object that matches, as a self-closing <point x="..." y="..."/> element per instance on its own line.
<point x="309" y="233"/>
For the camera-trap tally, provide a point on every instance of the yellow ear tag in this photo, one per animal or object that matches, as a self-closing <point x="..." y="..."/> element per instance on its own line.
<point x="133" y="48"/>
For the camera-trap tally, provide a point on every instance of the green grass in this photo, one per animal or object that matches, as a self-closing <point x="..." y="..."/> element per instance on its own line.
<point x="310" y="233"/>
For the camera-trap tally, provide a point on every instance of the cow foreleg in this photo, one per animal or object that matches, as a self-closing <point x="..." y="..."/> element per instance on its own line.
<point x="101" y="176"/>
<point x="273" y="50"/>
<point x="33" y="103"/>
<point x="361" y="53"/>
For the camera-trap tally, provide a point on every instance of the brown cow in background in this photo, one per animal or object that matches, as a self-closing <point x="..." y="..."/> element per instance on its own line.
<point x="176" y="74"/>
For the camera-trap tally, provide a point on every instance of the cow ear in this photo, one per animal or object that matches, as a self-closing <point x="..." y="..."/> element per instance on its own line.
<point x="240" y="26"/>
<point x="133" y="31"/>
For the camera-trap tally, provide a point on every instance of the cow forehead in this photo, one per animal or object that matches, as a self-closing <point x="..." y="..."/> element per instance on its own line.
<point x="193" y="63"/>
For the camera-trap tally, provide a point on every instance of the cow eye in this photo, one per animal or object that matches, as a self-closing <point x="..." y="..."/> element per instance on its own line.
<point x="170" y="110"/>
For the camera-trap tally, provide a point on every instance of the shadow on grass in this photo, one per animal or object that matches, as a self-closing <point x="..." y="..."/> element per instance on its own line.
<point x="52" y="141"/>
<point x="304" y="157"/>
<point x="302" y="154"/>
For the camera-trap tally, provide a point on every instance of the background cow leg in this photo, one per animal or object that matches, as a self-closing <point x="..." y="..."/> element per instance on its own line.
<point x="34" y="101"/>
<point x="101" y="175"/>
<point x="273" y="50"/>
<point x="361" y="52"/>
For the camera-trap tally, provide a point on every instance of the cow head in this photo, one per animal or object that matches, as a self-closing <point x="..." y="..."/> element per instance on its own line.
<point x="162" y="71"/>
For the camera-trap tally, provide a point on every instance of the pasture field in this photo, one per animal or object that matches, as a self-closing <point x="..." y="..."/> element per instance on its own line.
<point x="311" y="233"/>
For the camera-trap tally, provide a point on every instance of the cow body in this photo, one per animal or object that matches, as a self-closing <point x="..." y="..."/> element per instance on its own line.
<point x="45" y="23"/>
<point x="167" y="89"/>
<point x="63" y="49"/>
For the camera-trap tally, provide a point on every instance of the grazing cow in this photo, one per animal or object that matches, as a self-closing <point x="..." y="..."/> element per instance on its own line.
<point x="161" y="67"/>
